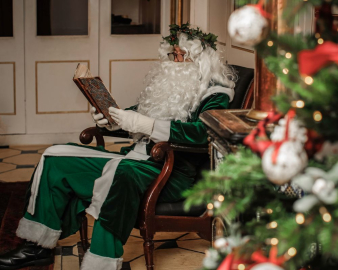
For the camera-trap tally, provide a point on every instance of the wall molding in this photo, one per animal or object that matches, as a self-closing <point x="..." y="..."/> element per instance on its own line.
<point x="37" y="90"/>
<point x="14" y="87"/>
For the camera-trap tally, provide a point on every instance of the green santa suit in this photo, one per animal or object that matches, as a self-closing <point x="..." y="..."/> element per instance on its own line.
<point x="72" y="179"/>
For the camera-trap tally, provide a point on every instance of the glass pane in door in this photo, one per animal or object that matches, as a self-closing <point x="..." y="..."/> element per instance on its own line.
<point x="135" y="17"/>
<point x="62" y="17"/>
<point x="6" y="18"/>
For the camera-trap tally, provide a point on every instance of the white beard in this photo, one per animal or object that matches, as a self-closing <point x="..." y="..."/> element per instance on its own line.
<point x="172" y="91"/>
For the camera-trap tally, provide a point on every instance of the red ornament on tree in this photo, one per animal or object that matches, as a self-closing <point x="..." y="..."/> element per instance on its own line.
<point x="311" y="61"/>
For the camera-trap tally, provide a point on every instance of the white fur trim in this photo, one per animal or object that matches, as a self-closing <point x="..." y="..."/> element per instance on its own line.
<point x="219" y="89"/>
<point x="92" y="261"/>
<point x="61" y="150"/>
<point x="136" y="155"/>
<point x="140" y="148"/>
<point x="101" y="187"/>
<point x="161" y="131"/>
<point x="38" y="233"/>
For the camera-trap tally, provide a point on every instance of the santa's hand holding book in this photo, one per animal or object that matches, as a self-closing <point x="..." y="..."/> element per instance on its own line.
<point x="131" y="121"/>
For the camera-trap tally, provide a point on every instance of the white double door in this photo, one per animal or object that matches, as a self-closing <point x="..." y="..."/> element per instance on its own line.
<point x="37" y="95"/>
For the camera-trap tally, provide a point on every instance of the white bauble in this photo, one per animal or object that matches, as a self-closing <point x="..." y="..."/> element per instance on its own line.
<point x="247" y="26"/>
<point x="266" y="266"/>
<point x="291" y="159"/>
<point x="296" y="132"/>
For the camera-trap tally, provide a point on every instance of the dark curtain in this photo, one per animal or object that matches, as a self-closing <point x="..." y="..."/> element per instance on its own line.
<point x="6" y="18"/>
<point x="43" y="17"/>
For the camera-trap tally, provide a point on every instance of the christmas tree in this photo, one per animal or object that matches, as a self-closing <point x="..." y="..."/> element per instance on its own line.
<point x="279" y="195"/>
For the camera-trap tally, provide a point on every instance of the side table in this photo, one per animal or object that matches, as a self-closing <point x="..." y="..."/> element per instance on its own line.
<point x="226" y="129"/>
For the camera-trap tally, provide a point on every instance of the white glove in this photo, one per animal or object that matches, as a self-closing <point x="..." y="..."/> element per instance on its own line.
<point x="132" y="121"/>
<point x="102" y="122"/>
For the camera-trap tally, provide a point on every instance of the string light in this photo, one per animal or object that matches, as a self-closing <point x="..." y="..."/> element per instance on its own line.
<point x="210" y="206"/>
<point x="317" y="35"/>
<point x="325" y="214"/>
<point x="288" y="55"/>
<point x="285" y="71"/>
<point x="292" y="251"/>
<point x="270" y="43"/>
<point x="300" y="219"/>
<point x="298" y="104"/>
<point x="269" y="211"/>
<point x="241" y="267"/>
<point x="272" y="225"/>
<point x="327" y="217"/>
<point x="221" y="198"/>
<point x="308" y="80"/>
<point x="317" y="116"/>
<point x="320" y="41"/>
<point x="274" y="241"/>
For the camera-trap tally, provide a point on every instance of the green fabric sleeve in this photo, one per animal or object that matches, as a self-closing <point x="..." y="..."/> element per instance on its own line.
<point x="194" y="131"/>
<point x="132" y="108"/>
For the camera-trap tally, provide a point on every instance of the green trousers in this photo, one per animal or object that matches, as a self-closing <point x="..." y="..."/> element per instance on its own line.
<point x="66" y="189"/>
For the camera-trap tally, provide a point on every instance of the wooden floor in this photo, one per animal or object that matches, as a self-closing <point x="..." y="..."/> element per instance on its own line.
<point x="181" y="251"/>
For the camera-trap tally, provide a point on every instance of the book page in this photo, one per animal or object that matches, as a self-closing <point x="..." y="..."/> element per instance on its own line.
<point x="82" y="71"/>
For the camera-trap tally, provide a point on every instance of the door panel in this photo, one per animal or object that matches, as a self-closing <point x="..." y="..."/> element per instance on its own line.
<point x="12" y="93"/>
<point x="212" y="16"/>
<point x="126" y="59"/>
<point x="54" y="103"/>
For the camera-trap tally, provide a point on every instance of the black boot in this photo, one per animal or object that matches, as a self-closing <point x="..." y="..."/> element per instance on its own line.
<point x="28" y="254"/>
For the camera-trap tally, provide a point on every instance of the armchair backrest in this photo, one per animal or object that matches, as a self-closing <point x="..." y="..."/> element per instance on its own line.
<point x="243" y="88"/>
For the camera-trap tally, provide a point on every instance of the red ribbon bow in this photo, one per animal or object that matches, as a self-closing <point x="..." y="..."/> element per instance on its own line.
<point x="258" y="257"/>
<point x="310" y="61"/>
<point x="227" y="263"/>
<point x="258" y="140"/>
<point x="261" y="10"/>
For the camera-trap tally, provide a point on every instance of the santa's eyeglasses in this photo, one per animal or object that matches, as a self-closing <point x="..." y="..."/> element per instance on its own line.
<point x="176" y="56"/>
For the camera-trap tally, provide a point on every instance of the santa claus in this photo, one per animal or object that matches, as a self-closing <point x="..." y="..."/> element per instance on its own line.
<point x="72" y="180"/>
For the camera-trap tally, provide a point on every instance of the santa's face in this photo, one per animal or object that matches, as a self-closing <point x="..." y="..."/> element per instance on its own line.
<point x="179" y="55"/>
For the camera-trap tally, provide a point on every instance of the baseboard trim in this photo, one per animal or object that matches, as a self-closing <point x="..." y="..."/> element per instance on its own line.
<point x="47" y="138"/>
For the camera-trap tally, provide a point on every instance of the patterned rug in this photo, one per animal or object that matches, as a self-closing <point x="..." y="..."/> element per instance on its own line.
<point x="12" y="197"/>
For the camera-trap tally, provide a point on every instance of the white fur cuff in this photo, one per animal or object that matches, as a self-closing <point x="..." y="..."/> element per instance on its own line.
<point x="38" y="233"/>
<point x="161" y="131"/>
<point x="92" y="261"/>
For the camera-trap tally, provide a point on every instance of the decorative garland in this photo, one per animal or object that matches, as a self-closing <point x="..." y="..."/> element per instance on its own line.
<point x="206" y="39"/>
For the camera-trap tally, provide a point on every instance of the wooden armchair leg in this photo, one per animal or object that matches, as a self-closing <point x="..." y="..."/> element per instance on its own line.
<point x="148" y="247"/>
<point x="84" y="234"/>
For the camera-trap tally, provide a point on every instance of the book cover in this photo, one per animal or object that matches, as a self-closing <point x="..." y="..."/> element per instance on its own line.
<point x="95" y="91"/>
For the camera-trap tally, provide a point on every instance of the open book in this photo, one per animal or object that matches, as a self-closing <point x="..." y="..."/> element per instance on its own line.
<point x="94" y="91"/>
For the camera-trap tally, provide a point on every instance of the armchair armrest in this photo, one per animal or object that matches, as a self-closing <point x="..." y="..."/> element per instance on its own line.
<point x="87" y="135"/>
<point x="160" y="151"/>
<point x="190" y="148"/>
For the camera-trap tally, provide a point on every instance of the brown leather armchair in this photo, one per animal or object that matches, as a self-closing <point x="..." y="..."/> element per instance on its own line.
<point x="170" y="217"/>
